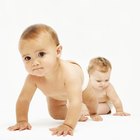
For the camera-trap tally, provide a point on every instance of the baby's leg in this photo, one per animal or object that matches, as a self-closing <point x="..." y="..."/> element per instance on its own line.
<point x="84" y="110"/>
<point x="103" y="108"/>
<point x="57" y="109"/>
<point x="84" y="113"/>
<point x="91" y="104"/>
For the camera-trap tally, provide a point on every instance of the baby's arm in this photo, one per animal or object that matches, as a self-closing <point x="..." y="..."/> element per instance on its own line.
<point x="111" y="93"/>
<point x="22" y="105"/>
<point x="74" y="93"/>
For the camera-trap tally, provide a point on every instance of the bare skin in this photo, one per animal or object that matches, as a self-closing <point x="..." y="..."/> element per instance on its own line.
<point x="98" y="94"/>
<point x="59" y="80"/>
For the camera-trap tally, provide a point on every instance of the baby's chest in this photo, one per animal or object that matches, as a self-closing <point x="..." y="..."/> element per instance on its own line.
<point x="102" y="96"/>
<point x="53" y="90"/>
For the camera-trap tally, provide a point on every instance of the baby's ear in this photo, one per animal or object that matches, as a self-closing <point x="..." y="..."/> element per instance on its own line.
<point x="59" y="50"/>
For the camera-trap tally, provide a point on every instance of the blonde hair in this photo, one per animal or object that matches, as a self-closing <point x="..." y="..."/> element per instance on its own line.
<point x="99" y="63"/>
<point x="33" y="32"/>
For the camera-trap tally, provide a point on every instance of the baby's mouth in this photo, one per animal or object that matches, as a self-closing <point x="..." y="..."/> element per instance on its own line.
<point x="36" y="69"/>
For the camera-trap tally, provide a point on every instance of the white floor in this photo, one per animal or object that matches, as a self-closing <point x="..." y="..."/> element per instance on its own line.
<point x="117" y="128"/>
<point x="111" y="128"/>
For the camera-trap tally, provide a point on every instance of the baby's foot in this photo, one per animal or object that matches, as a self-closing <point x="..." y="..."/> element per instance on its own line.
<point x="96" y="117"/>
<point x="83" y="118"/>
<point x="85" y="113"/>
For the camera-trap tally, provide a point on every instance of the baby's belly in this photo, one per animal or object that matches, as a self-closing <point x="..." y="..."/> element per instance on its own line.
<point x="63" y="98"/>
<point x="53" y="92"/>
<point x="57" y="96"/>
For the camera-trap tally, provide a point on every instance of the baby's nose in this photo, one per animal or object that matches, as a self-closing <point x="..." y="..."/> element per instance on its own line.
<point x="102" y="83"/>
<point x="35" y="62"/>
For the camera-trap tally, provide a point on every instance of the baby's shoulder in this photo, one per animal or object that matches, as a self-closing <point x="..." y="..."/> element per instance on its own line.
<point x="73" y="66"/>
<point x="72" y="70"/>
<point x="73" y="62"/>
<point x="110" y="88"/>
<point x="32" y="78"/>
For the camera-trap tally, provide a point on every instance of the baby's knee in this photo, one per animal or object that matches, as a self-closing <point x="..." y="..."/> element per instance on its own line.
<point x="57" y="116"/>
<point x="53" y="115"/>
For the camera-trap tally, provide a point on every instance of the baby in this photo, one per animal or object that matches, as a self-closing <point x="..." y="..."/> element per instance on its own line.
<point x="100" y="94"/>
<point x="59" y="80"/>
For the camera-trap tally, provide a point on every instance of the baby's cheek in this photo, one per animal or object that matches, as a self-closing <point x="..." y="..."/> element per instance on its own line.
<point x="107" y="84"/>
<point x="28" y="69"/>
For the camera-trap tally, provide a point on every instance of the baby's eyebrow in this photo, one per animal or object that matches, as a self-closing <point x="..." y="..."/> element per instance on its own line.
<point x="25" y="55"/>
<point x="98" y="80"/>
<point x="107" y="79"/>
<point x="40" y="50"/>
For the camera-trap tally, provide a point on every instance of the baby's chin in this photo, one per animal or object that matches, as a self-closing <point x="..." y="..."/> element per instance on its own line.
<point x="38" y="74"/>
<point x="101" y="88"/>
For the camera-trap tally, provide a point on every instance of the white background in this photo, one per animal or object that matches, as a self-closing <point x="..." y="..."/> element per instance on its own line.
<point x="86" y="29"/>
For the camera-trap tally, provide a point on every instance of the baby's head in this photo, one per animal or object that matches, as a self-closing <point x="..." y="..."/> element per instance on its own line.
<point x="35" y="31"/>
<point x="40" y="49"/>
<point x="100" y="64"/>
<point x="99" y="70"/>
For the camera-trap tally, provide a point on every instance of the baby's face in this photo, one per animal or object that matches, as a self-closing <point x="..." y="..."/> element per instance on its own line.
<point x="100" y="80"/>
<point x="39" y="55"/>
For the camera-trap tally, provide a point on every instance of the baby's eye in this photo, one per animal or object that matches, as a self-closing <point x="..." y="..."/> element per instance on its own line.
<point x="27" y="58"/>
<point x="98" y="81"/>
<point x="106" y="80"/>
<point x="41" y="54"/>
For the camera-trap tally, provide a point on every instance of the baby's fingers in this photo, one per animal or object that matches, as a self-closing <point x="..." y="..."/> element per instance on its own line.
<point x="127" y="114"/>
<point x="70" y="132"/>
<point x="62" y="130"/>
<point x="121" y="114"/>
<point x="13" y="128"/>
<point x="53" y="130"/>
<point x="20" y="127"/>
<point x="24" y="127"/>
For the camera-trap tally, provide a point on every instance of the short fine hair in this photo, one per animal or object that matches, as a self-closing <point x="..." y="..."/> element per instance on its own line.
<point x="99" y="63"/>
<point x="33" y="32"/>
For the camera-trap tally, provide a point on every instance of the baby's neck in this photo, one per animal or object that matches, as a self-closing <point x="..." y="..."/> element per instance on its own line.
<point x="56" y="73"/>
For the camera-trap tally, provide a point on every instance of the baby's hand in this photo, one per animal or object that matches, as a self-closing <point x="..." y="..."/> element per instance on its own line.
<point x="121" y="114"/>
<point x="20" y="126"/>
<point x="96" y="117"/>
<point x="63" y="129"/>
